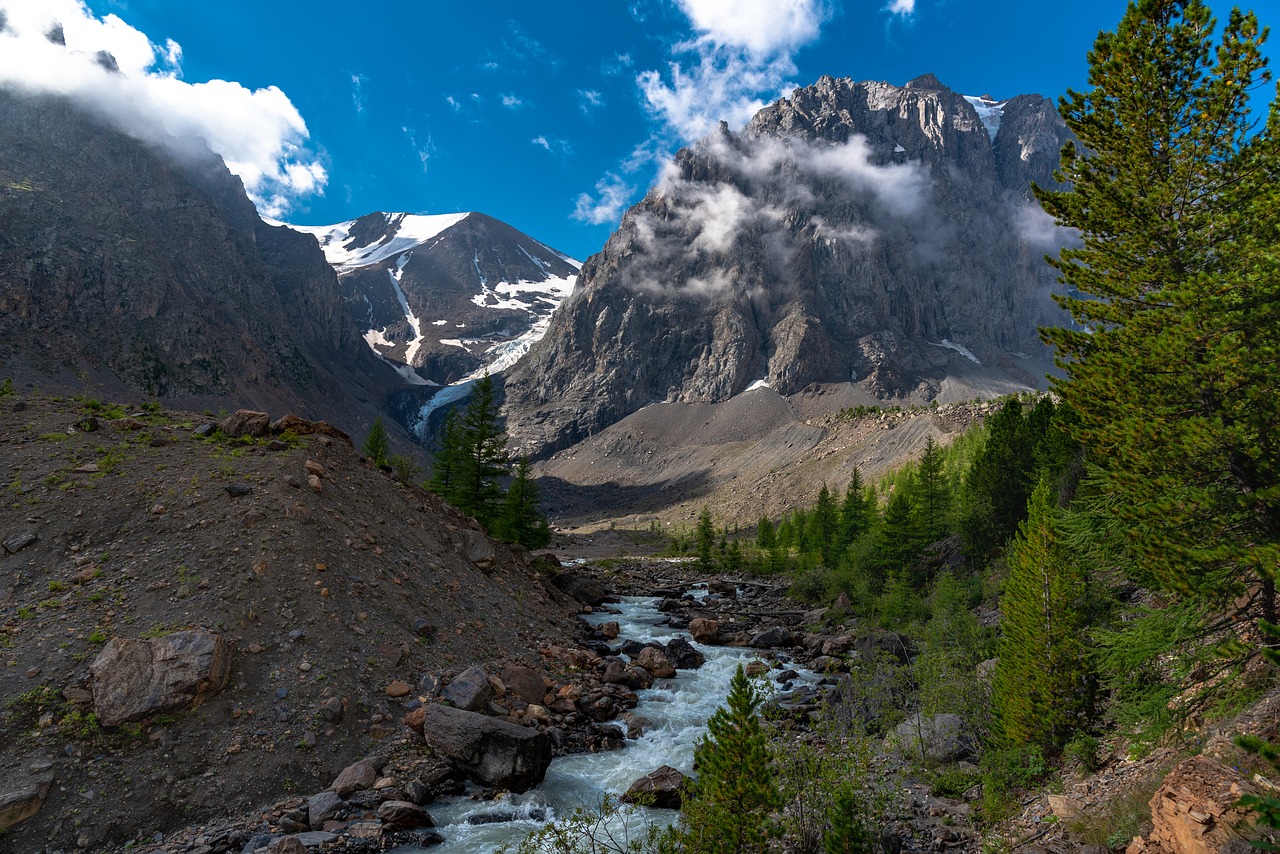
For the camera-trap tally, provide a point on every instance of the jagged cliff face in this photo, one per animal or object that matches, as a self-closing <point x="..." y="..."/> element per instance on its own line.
<point x="855" y="233"/>
<point x="444" y="296"/>
<point x="128" y="268"/>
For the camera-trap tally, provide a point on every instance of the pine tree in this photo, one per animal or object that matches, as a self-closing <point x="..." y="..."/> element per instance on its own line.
<point x="824" y="527"/>
<point x="706" y="537"/>
<point x="1172" y="367"/>
<point x="766" y="536"/>
<point x="856" y="511"/>
<point x="735" y="792"/>
<point x="476" y="456"/>
<point x="998" y="483"/>
<point x="377" y="446"/>
<point x="520" y="522"/>
<point x="1041" y="689"/>
<point x="933" y="495"/>
<point x="445" y="467"/>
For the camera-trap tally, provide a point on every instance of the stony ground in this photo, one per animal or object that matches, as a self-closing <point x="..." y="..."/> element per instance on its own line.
<point x="133" y="525"/>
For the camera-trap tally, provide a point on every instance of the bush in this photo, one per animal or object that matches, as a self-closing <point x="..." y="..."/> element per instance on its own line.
<point x="1005" y="773"/>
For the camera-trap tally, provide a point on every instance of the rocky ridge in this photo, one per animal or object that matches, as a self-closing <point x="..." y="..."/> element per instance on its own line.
<point x="859" y="235"/>
<point x="131" y="266"/>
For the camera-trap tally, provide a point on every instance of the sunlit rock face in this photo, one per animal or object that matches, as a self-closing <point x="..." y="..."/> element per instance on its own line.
<point x="879" y="236"/>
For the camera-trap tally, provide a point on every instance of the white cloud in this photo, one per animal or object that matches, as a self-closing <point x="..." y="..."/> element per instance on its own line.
<point x="740" y="61"/>
<point x="357" y="91"/>
<point x="259" y="133"/>
<point x="553" y="145"/>
<point x="512" y="101"/>
<point x="425" y="150"/>
<point x="589" y="99"/>
<point x="611" y="198"/>
<point x="905" y="8"/>
<point x="762" y="27"/>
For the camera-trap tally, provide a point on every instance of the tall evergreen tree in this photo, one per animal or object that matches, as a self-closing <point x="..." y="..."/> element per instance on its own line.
<point x="446" y="465"/>
<point x="729" y="811"/>
<point x="933" y="495"/>
<point x="473" y="456"/>
<point x="520" y="522"/>
<point x="824" y="526"/>
<point x="997" y="485"/>
<point x="1172" y="366"/>
<point x="1040" y="693"/>
<point x="706" y="539"/>
<point x="766" y="536"/>
<point x="857" y="510"/>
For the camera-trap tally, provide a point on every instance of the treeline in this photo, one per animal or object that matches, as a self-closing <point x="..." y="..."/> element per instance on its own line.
<point x="473" y="471"/>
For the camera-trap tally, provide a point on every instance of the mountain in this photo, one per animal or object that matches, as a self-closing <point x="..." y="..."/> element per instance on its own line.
<point x="133" y="266"/>
<point x="446" y="296"/>
<point x="873" y="243"/>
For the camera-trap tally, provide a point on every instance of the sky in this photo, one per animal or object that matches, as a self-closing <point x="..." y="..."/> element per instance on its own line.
<point x="551" y="116"/>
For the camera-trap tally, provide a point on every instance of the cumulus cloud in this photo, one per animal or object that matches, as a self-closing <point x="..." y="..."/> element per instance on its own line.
<point x="762" y="27"/>
<point x="902" y="8"/>
<point x="611" y="197"/>
<point x="113" y="68"/>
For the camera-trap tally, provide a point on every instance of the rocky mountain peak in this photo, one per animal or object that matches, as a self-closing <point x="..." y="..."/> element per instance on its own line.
<point x="857" y="235"/>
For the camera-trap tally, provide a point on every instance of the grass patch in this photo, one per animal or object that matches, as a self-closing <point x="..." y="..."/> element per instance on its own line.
<point x="1121" y="817"/>
<point x="53" y="437"/>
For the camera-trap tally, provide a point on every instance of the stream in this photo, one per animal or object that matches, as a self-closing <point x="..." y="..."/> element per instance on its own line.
<point x="676" y="709"/>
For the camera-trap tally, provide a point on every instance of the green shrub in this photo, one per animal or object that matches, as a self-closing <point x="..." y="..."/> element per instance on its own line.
<point x="954" y="782"/>
<point x="1005" y="773"/>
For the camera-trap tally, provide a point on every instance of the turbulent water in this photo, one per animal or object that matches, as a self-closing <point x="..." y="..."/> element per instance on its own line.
<point x="676" y="709"/>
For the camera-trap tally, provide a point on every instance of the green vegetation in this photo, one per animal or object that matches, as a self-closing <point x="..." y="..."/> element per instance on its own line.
<point x="472" y="463"/>
<point x="377" y="446"/>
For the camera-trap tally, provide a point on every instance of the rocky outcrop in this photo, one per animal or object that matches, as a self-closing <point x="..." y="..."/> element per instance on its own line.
<point x="139" y="267"/>
<point x="934" y="738"/>
<point x="489" y="751"/>
<point x="133" y="679"/>
<point x="22" y="796"/>
<point x="1194" y="811"/>
<point x="853" y="233"/>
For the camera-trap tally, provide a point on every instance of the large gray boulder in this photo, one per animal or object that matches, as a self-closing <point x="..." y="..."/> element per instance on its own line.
<point x="935" y="738"/>
<point x="588" y="591"/>
<point x="661" y="788"/>
<point x="133" y="679"/>
<point x="488" y="750"/>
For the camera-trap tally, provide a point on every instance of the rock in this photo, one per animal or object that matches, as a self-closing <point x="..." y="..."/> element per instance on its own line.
<point x="238" y="490"/>
<point x="470" y="691"/>
<point x="704" y="630"/>
<point x="619" y="672"/>
<point x="287" y="845"/>
<point x="656" y="662"/>
<point x="22" y="797"/>
<point x="355" y="778"/>
<point x="682" y="654"/>
<point x="756" y="668"/>
<point x="884" y="643"/>
<point x="610" y="630"/>
<point x="588" y="591"/>
<point x="331" y="710"/>
<point x="1194" y="811"/>
<point x="661" y="788"/>
<point x="415" y="719"/>
<point x="315" y="838"/>
<point x="524" y="683"/>
<point x="136" y="678"/>
<point x="245" y="422"/>
<point x="205" y="429"/>
<point x="314" y="468"/>
<point x="403" y="815"/>
<point x="315" y="483"/>
<point x="322" y="807"/>
<point x="18" y="542"/>
<point x="720" y="587"/>
<point x="476" y="547"/>
<point x="941" y="738"/>
<point x="772" y="638"/>
<point x="489" y="751"/>
<point x="398" y="688"/>
<point x="1066" y="808"/>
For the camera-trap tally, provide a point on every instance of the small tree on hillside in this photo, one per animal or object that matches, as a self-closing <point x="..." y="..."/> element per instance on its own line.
<point x="377" y="446"/>
<point x="735" y="793"/>
<point x="520" y="522"/>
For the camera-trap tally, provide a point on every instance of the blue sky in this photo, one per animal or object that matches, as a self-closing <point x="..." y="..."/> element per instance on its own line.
<point x="550" y="116"/>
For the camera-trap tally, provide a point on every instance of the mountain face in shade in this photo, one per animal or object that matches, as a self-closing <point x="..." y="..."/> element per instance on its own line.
<point x="140" y="267"/>
<point x="445" y="296"/>
<point x="875" y="239"/>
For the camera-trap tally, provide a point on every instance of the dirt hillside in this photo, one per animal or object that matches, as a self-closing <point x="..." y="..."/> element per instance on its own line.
<point x="330" y="579"/>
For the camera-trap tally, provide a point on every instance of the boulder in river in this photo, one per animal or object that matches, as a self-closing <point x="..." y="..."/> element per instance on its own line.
<point x="704" y="630"/>
<point x="489" y="751"/>
<point x="772" y="638"/>
<point x="656" y="662"/>
<point x="682" y="654"/>
<point x="661" y="788"/>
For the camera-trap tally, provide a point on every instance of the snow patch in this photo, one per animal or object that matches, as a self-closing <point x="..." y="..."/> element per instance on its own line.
<point x="990" y="112"/>
<point x="523" y="296"/>
<point x="962" y="350"/>
<point x="898" y="149"/>
<point x="759" y="384"/>
<point x="410" y="230"/>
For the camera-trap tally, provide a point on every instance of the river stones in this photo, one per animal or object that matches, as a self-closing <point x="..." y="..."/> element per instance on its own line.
<point x="704" y="630"/>
<point x="656" y="662"/>
<point x="661" y="788"/>
<point x="490" y="751"/>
